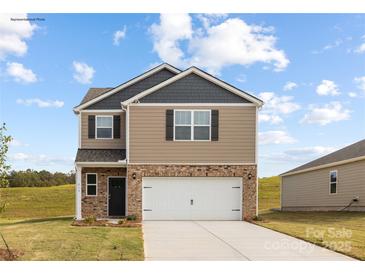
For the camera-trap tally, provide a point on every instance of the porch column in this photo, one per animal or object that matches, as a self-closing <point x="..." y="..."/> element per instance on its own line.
<point x="78" y="193"/>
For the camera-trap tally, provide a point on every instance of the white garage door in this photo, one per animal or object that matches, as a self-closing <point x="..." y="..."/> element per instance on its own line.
<point x="186" y="198"/>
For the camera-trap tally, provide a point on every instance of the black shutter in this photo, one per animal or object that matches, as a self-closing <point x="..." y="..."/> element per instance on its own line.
<point x="169" y="124"/>
<point x="215" y="125"/>
<point x="116" y="126"/>
<point x="91" y="126"/>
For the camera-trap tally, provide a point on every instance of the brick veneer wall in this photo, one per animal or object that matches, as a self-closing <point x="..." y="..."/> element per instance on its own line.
<point x="135" y="185"/>
<point x="97" y="206"/>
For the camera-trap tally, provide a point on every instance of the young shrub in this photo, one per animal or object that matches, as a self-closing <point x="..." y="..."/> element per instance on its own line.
<point x="90" y="219"/>
<point x="131" y="217"/>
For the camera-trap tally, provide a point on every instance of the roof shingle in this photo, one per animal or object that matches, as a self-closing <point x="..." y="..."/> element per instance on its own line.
<point x="352" y="151"/>
<point x="100" y="155"/>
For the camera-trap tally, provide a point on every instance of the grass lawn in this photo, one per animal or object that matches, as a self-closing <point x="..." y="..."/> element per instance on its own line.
<point x="315" y="227"/>
<point x="30" y="225"/>
<point x="38" y="202"/>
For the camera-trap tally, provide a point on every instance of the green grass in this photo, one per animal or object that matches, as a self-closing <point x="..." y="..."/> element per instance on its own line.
<point x="56" y="239"/>
<point x="303" y="225"/>
<point x="30" y="225"/>
<point x="38" y="202"/>
<point x="269" y="193"/>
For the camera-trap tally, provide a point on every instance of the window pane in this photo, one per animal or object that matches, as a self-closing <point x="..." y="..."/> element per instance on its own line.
<point x="182" y="117"/>
<point x="333" y="188"/>
<point x="104" y="122"/>
<point x="91" y="179"/>
<point x="91" y="190"/>
<point x="201" y="133"/>
<point x="182" y="133"/>
<point x="201" y="118"/>
<point x="104" y="133"/>
<point x="333" y="177"/>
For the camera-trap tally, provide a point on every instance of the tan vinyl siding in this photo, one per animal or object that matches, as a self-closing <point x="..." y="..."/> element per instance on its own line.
<point x="236" y="144"/>
<point x="102" y="143"/>
<point x="311" y="189"/>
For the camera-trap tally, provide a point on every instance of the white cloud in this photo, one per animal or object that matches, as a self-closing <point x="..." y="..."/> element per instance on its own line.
<point x="352" y="94"/>
<point x="275" y="106"/>
<point x="40" y="103"/>
<point x="216" y="45"/>
<point x="83" y="73"/>
<point x="119" y="35"/>
<point x="301" y="154"/>
<point x="172" y="29"/>
<point x="272" y="119"/>
<point x="275" y="137"/>
<point x="40" y="159"/>
<point x="279" y="104"/>
<point x="329" y="113"/>
<point x="329" y="46"/>
<point x="327" y="87"/>
<point x="360" y="83"/>
<point x="17" y="143"/>
<point x="360" y="49"/>
<point x="242" y="78"/>
<point x="289" y="86"/>
<point x="20" y="73"/>
<point x="13" y="34"/>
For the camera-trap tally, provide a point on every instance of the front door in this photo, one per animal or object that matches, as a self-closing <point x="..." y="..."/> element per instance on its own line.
<point x="116" y="197"/>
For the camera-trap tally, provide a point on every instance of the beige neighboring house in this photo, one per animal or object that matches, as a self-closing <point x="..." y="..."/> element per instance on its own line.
<point x="333" y="182"/>
<point x="167" y="145"/>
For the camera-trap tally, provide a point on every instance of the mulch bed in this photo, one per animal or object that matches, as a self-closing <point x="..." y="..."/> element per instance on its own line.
<point x="5" y="256"/>
<point x="106" y="223"/>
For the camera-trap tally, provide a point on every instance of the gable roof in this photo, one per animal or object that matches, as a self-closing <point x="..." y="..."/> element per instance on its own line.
<point x="95" y="95"/>
<point x="347" y="154"/>
<point x="202" y="74"/>
<point x="193" y="89"/>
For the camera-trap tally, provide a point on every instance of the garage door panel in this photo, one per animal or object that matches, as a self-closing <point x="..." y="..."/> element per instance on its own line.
<point x="164" y="200"/>
<point x="186" y="198"/>
<point x="217" y="198"/>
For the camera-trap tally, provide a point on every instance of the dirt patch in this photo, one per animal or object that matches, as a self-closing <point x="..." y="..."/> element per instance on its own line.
<point x="106" y="223"/>
<point x="14" y="254"/>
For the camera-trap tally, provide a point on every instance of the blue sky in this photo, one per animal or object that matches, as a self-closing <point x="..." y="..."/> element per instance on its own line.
<point x="310" y="70"/>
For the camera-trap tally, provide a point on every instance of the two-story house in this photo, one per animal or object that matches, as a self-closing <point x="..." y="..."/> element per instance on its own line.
<point x="168" y="145"/>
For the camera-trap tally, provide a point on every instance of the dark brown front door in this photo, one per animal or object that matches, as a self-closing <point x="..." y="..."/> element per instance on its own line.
<point x="116" y="197"/>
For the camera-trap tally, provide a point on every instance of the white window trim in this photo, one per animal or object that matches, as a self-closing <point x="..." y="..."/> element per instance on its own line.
<point x="96" y="127"/>
<point x="192" y="125"/>
<point x="96" y="184"/>
<point x="330" y="183"/>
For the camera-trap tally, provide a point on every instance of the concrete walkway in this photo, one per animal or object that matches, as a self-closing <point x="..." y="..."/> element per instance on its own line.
<point x="226" y="240"/>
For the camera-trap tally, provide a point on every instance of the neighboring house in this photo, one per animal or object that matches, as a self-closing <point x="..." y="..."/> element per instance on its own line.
<point x="333" y="182"/>
<point x="168" y="145"/>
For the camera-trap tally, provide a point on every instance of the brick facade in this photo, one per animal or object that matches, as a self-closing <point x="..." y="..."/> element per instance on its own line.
<point x="97" y="206"/>
<point x="135" y="185"/>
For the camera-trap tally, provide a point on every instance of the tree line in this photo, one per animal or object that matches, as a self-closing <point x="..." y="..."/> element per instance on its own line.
<point x="34" y="178"/>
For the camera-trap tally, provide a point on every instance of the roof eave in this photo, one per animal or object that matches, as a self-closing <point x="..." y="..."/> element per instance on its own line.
<point x="347" y="161"/>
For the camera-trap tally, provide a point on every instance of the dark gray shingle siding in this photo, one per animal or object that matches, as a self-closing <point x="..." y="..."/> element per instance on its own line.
<point x="192" y="89"/>
<point x="352" y="151"/>
<point x="113" y="101"/>
<point x="100" y="155"/>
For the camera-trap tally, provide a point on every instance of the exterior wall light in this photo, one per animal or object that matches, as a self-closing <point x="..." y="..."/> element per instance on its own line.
<point x="249" y="176"/>
<point x="134" y="175"/>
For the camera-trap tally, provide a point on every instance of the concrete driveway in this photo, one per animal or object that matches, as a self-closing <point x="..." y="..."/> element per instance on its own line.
<point x="225" y="240"/>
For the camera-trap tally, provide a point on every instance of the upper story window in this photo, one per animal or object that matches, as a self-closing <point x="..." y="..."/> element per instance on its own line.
<point x="192" y="125"/>
<point x="104" y="127"/>
<point x="333" y="182"/>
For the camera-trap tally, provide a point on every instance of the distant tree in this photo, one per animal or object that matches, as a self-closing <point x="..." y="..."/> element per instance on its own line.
<point x="4" y="170"/>
<point x="4" y="167"/>
<point x="4" y="147"/>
